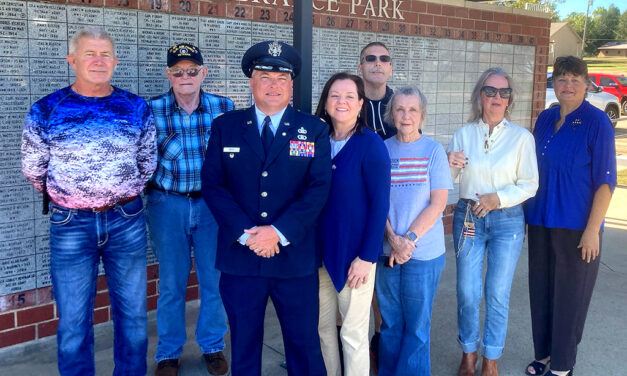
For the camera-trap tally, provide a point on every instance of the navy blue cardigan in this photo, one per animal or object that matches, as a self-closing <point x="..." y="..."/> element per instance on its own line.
<point x="353" y="220"/>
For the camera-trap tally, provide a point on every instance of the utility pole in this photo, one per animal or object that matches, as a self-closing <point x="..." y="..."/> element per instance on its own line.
<point x="585" y="26"/>
<point x="303" y="32"/>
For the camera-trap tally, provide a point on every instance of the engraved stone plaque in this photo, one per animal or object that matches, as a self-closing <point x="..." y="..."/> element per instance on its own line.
<point x="123" y="35"/>
<point x="17" y="248"/>
<point x="17" y="283"/>
<point x="13" y="9"/>
<point x="47" y="30"/>
<point x="48" y="48"/>
<point x="85" y="15"/>
<point x="153" y="37"/>
<point x="158" y="21"/>
<point x="122" y="18"/>
<point x="11" y="28"/>
<point x="46" y="12"/>
<point x="212" y="25"/>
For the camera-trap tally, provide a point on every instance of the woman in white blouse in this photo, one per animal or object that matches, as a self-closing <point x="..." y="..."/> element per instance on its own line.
<point x="497" y="169"/>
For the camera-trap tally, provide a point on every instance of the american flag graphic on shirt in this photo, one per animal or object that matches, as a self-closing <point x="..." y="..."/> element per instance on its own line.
<point x="409" y="170"/>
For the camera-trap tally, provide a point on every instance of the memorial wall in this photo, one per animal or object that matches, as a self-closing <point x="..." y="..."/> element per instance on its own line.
<point x="440" y="49"/>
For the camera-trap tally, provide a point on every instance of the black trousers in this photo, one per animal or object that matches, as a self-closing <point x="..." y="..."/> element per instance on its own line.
<point x="560" y="289"/>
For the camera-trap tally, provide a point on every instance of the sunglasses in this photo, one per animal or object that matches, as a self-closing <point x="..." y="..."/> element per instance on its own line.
<point x="191" y="72"/>
<point x="373" y="58"/>
<point x="490" y="92"/>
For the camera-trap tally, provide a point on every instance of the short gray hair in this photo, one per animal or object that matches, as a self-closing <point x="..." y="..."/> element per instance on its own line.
<point x="407" y="91"/>
<point x="90" y="32"/>
<point x="476" y="110"/>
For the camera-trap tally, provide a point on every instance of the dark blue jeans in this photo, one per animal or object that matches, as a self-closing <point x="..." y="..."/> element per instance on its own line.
<point x="79" y="239"/>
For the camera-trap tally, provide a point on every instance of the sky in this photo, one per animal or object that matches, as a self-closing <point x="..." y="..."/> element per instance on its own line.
<point x="569" y="6"/>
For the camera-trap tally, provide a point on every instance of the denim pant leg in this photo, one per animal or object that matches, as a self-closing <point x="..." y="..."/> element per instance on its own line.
<point x="74" y="262"/>
<point x="211" y="326"/>
<point x="388" y="289"/>
<point x="168" y="220"/>
<point x="469" y="262"/>
<point x="419" y="283"/>
<point x="124" y="260"/>
<point x="507" y="230"/>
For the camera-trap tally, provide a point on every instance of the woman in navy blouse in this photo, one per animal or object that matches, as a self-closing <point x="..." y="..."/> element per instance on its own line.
<point x="351" y="225"/>
<point x="577" y="166"/>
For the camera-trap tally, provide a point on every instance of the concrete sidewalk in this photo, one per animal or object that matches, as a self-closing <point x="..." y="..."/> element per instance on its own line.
<point x="601" y="351"/>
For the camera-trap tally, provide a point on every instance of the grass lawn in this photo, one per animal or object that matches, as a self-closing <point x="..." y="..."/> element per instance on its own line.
<point x="622" y="177"/>
<point x="614" y="65"/>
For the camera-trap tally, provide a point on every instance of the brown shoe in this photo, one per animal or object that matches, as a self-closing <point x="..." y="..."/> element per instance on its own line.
<point x="167" y="367"/>
<point x="468" y="364"/>
<point x="489" y="367"/>
<point x="216" y="363"/>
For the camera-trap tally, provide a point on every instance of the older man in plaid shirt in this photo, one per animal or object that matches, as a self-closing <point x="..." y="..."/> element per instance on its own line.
<point x="178" y="217"/>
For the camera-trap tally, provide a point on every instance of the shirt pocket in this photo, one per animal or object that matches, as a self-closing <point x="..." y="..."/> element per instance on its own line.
<point x="172" y="147"/>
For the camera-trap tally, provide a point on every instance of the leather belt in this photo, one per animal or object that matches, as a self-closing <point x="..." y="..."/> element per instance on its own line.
<point x="105" y="208"/>
<point x="194" y="194"/>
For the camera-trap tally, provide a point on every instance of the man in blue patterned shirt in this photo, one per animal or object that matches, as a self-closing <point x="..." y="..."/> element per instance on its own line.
<point x="91" y="148"/>
<point x="179" y="218"/>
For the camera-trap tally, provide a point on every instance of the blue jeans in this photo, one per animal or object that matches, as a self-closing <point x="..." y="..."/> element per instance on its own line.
<point x="501" y="234"/>
<point x="79" y="239"/>
<point x="177" y="225"/>
<point x="405" y="293"/>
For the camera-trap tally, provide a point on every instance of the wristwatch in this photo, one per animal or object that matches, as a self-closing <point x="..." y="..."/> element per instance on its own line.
<point x="412" y="236"/>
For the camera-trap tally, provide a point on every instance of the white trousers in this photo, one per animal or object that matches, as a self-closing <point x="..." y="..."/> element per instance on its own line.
<point x="354" y="306"/>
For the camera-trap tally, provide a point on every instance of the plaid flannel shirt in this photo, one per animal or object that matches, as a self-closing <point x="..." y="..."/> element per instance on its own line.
<point x="182" y="139"/>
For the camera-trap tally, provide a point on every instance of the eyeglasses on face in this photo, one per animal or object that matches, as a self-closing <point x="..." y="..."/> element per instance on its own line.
<point x="491" y="91"/>
<point x="373" y="58"/>
<point x="191" y="72"/>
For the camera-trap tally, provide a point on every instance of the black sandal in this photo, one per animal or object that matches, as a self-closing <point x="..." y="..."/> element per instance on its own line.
<point x="538" y="368"/>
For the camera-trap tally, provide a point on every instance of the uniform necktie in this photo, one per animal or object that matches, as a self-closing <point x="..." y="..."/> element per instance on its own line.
<point x="266" y="135"/>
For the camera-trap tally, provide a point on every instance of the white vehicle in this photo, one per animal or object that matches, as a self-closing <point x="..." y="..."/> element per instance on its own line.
<point x="596" y="96"/>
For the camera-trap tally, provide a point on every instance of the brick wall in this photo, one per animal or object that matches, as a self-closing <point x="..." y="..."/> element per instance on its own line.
<point x="32" y="314"/>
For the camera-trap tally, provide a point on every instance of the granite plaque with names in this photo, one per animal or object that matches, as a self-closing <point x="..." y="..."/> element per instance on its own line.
<point x="13" y="9"/>
<point x="17" y="248"/>
<point x="11" y="28"/>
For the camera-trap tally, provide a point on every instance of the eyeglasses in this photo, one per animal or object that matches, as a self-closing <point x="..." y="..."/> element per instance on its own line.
<point x="373" y="58"/>
<point x="490" y="92"/>
<point x="191" y="72"/>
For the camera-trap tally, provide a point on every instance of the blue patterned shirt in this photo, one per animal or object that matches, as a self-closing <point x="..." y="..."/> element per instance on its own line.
<point x="182" y="139"/>
<point x="90" y="151"/>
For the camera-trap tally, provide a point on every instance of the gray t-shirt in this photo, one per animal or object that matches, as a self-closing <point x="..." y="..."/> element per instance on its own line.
<point x="417" y="168"/>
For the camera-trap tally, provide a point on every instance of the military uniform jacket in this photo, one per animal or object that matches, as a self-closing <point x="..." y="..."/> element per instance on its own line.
<point x="287" y="188"/>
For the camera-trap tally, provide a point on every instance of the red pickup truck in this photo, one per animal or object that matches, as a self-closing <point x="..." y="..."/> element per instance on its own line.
<point x="613" y="84"/>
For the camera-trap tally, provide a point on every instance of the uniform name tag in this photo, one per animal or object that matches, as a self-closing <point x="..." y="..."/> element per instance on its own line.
<point x="231" y="149"/>
<point x="302" y="149"/>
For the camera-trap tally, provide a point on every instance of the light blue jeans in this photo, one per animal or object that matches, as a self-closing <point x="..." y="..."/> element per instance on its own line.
<point x="177" y="225"/>
<point x="405" y="293"/>
<point x="500" y="234"/>
<point x="78" y="240"/>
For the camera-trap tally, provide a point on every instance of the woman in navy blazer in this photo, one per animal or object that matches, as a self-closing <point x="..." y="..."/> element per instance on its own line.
<point x="351" y="225"/>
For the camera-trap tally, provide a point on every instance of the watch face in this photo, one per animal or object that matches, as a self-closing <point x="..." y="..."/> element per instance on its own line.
<point x="411" y="236"/>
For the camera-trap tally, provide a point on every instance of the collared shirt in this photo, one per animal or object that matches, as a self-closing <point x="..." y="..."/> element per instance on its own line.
<point x="89" y="151"/>
<point x="182" y="139"/>
<point x="573" y="162"/>
<point x="275" y="119"/>
<point x="503" y="162"/>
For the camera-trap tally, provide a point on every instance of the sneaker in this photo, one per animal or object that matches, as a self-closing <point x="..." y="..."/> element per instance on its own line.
<point x="216" y="363"/>
<point x="167" y="367"/>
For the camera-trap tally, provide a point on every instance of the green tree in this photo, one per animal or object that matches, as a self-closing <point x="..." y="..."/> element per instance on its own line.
<point x="602" y="29"/>
<point x="577" y="22"/>
<point x="621" y="31"/>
